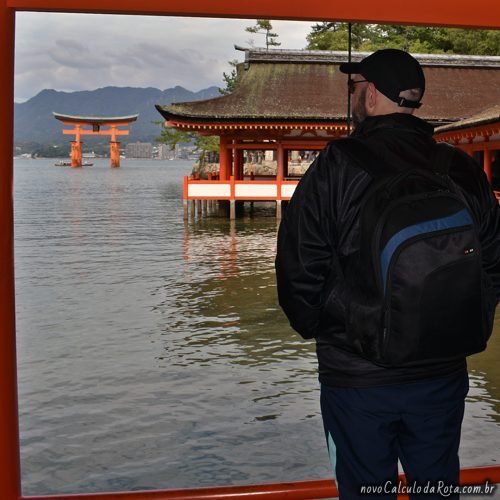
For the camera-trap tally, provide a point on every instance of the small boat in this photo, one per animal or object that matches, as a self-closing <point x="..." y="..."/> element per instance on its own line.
<point x="65" y="163"/>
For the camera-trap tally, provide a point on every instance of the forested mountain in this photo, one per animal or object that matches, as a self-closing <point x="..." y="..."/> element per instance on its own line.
<point x="34" y="122"/>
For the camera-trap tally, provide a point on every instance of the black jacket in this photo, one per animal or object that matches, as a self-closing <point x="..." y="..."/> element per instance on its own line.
<point x="320" y="229"/>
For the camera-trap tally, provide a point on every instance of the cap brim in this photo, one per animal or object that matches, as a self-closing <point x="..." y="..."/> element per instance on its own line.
<point x="350" y="68"/>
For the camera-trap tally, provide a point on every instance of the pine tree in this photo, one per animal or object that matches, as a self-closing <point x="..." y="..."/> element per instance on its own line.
<point x="230" y="78"/>
<point x="264" y="27"/>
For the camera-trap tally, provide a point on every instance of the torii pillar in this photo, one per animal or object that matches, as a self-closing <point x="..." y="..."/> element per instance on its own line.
<point x="114" y="148"/>
<point x="78" y="122"/>
<point x="76" y="150"/>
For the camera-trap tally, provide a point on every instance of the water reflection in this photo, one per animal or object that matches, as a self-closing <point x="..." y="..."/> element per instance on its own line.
<point x="228" y="301"/>
<point x="484" y="371"/>
<point x="225" y="317"/>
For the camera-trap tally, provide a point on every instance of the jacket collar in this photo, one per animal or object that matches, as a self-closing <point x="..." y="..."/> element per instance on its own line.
<point x="373" y="124"/>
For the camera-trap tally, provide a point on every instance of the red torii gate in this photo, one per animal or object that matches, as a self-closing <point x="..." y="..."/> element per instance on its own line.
<point x="96" y="123"/>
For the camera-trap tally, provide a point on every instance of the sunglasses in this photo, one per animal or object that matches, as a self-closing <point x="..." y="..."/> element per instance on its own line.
<point x="351" y="84"/>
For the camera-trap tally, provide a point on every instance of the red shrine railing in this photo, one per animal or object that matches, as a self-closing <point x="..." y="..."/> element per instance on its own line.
<point x="274" y="188"/>
<point x="477" y="480"/>
<point x="244" y="190"/>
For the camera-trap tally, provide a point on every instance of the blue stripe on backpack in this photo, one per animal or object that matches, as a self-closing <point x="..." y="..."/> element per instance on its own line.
<point x="461" y="218"/>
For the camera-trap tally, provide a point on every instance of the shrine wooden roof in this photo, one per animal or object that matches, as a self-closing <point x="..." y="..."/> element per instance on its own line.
<point x="98" y="120"/>
<point x="488" y="116"/>
<point x="482" y="127"/>
<point x="307" y="86"/>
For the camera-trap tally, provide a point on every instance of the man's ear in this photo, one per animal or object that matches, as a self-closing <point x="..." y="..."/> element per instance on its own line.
<point x="370" y="98"/>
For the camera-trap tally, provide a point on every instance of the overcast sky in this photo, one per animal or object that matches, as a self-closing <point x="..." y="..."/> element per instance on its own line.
<point x="72" y="52"/>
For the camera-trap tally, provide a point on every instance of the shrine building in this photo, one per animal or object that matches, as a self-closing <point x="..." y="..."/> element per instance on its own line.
<point x="479" y="136"/>
<point x="287" y="101"/>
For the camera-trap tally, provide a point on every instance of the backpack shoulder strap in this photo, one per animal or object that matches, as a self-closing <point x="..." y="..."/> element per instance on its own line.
<point x="441" y="158"/>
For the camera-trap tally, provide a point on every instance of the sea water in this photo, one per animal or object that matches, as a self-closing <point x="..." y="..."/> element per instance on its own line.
<point x="152" y="352"/>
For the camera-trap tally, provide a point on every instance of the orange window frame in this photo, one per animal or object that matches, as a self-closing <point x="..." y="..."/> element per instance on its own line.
<point x="458" y="13"/>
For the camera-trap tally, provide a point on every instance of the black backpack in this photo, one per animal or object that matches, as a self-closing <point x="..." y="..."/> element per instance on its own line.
<point x="416" y="291"/>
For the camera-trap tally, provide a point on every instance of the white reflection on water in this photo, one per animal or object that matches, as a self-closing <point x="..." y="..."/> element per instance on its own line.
<point x="153" y="353"/>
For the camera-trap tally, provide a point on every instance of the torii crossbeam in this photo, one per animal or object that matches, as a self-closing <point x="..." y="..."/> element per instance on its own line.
<point x="96" y="124"/>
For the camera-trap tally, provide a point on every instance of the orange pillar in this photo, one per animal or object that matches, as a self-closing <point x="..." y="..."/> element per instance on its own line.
<point x="282" y="162"/>
<point x="225" y="159"/>
<point x="222" y="157"/>
<point x="114" y="147"/>
<point x="76" y="154"/>
<point x="76" y="149"/>
<point x="487" y="164"/>
<point x="230" y="162"/>
<point x="10" y="477"/>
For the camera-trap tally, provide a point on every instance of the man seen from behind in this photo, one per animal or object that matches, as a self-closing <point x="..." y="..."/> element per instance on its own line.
<point x="392" y="370"/>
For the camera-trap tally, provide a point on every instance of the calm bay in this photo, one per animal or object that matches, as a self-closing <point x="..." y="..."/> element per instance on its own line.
<point x="152" y="352"/>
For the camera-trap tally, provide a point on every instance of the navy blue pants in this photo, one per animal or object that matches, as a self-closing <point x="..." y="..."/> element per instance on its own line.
<point x="369" y="429"/>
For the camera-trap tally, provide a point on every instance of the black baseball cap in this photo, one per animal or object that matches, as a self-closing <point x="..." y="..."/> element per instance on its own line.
<point x="391" y="71"/>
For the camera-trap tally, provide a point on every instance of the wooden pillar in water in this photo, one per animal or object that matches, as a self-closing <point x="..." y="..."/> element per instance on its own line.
<point x="278" y="209"/>
<point x="185" y="192"/>
<point x="114" y="147"/>
<point x="76" y="152"/>
<point x="282" y="165"/>
<point x="232" y="201"/>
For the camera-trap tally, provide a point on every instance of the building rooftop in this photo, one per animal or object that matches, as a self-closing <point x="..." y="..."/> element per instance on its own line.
<point x="485" y="117"/>
<point x="98" y="120"/>
<point x="299" y="85"/>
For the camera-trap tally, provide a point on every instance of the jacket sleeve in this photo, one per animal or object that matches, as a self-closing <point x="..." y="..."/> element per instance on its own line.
<point x="305" y="249"/>
<point x="472" y="178"/>
<point x="490" y="236"/>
